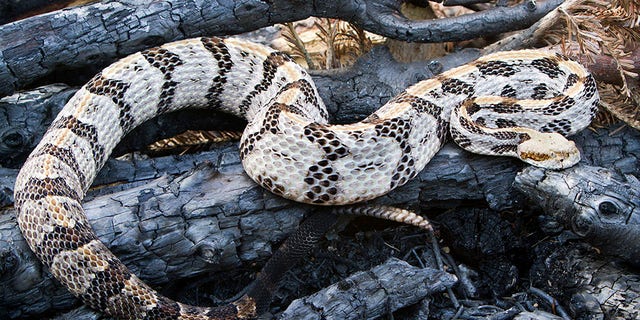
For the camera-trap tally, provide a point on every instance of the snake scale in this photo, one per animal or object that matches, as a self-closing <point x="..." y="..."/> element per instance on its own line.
<point x="518" y="103"/>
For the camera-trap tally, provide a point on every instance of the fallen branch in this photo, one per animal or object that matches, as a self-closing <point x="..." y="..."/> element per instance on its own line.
<point x="371" y="294"/>
<point x="592" y="288"/>
<point x="62" y="44"/>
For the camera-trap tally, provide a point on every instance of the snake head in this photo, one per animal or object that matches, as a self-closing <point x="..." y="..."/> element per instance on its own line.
<point x="548" y="150"/>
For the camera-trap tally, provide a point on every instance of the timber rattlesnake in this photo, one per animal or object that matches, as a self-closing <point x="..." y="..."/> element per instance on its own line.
<point x="288" y="146"/>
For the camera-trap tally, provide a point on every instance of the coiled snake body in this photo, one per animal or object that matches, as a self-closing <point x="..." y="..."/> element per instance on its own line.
<point x="498" y="105"/>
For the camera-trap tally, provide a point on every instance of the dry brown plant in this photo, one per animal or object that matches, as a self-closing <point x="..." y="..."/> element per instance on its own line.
<point x="593" y="29"/>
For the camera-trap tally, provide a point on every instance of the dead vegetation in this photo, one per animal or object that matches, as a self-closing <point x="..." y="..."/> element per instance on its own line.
<point x="327" y="43"/>
<point x="606" y="33"/>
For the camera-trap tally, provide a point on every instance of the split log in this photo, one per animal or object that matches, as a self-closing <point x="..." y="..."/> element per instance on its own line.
<point x="83" y="40"/>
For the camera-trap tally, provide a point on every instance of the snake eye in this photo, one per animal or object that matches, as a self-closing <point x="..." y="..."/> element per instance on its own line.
<point x="607" y="208"/>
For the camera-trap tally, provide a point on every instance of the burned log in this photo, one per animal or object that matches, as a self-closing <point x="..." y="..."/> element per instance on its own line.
<point x="385" y="288"/>
<point x="146" y="213"/>
<point x="60" y="43"/>
<point x="133" y="189"/>
<point x="142" y="202"/>
<point x="591" y="287"/>
<point x="599" y="205"/>
<point x="371" y="294"/>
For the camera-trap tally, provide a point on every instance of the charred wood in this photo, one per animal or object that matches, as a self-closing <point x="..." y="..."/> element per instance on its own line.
<point x="198" y="218"/>
<point x="83" y="40"/>
<point x="592" y="288"/>
<point x="598" y="205"/>
<point x="371" y="294"/>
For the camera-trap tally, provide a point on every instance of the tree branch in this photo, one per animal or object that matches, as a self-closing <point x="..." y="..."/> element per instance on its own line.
<point x="593" y="288"/>
<point x="83" y="40"/>
<point x="371" y="294"/>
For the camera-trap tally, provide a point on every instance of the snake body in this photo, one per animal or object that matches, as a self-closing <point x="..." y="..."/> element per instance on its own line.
<point x="497" y="105"/>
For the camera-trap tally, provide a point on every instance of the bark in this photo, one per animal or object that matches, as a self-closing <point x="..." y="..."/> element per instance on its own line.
<point x="592" y="288"/>
<point x="164" y="229"/>
<point x="597" y="204"/>
<point x="213" y="217"/>
<point x="85" y="39"/>
<point x="371" y="294"/>
<point x="198" y="218"/>
<point x="363" y="295"/>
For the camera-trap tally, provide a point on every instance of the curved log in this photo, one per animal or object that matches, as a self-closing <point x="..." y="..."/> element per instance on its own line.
<point x="83" y="40"/>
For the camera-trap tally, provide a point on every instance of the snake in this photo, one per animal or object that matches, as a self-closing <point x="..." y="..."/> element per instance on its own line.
<point x="518" y="103"/>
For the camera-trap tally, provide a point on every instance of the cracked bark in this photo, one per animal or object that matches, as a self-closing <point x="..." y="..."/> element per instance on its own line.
<point x="170" y="218"/>
<point x="383" y="289"/>
<point x="198" y="218"/>
<point x="597" y="289"/>
<point x="82" y="40"/>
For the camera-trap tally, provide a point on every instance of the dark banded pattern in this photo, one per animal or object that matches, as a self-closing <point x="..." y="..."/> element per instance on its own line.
<point x="540" y="91"/>
<point x="419" y="104"/>
<point x="399" y="130"/>
<point x="548" y="66"/>
<point x="558" y="107"/>
<point x="63" y="239"/>
<point x="165" y="61"/>
<point x="85" y="131"/>
<point x="457" y="87"/>
<point x="308" y="96"/>
<point x="321" y="177"/>
<point x="220" y="53"/>
<point x="37" y="189"/>
<point x="269" y="67"/>
<point x="288" y="147"/>
<point x="116" y="90"/>
<point x="496" y="68"/>
<point x="66" y="156"/>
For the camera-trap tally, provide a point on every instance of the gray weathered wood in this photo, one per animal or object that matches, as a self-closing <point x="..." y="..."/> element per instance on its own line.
<point x="224" y="207"/>
<point x="371" y="294"/>
<point x="593" y="288"/>
<point x="167" y="228"/>
<point x="83" y="40"/>
<point x="597" y="204"/>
